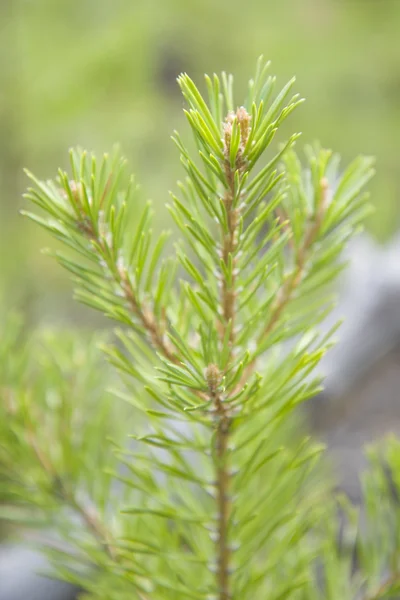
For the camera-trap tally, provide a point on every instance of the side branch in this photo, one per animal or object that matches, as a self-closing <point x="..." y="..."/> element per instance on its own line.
<point x="289" y="286"/>
<point x="120" y="275"/>
<point x="291" y="283"/>
<point x="89" y="516"/>
<point x="147" y="319"/>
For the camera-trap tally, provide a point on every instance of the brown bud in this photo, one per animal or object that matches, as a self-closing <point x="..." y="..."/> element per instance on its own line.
<point x="213" y="377"/>
<point x="244" y="119"/>
<point x="228" y="130"/>
<point x="76" y="189"/>
<point x="325" y="190"/>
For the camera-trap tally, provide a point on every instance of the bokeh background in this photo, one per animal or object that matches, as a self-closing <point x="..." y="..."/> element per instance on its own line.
<point x="97" y="72"/>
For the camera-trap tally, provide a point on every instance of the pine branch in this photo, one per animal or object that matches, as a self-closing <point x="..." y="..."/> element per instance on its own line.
<point x="122" y="279"/>
<point x="89" y="516"/>
<point x="214" y="431"/>
<point x="46" y="479"/>
<point x="147" y="318"/>
<point x="234" y="162"/>
<point x="294" y="279"/>
<point x="291" y="283"/>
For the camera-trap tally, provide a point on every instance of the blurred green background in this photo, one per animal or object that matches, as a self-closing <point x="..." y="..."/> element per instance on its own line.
<point x="97" y="72"/>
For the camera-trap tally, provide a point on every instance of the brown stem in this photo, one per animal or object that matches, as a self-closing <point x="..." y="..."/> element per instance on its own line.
<point x="148" y="320"/>
<point x="223" y="422"/>
<point x="224" y="509"/>
<point x="228" y="297"/>
<point x="230" y="238"/>
<point x="228" y="294"/>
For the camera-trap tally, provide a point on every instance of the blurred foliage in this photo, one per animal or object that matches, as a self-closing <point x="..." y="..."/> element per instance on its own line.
<point x="95" y="72"/>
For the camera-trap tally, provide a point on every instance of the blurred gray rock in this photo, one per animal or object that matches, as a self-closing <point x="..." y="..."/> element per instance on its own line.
<point x="361" y="401"/>
<point x="20" y="578"/>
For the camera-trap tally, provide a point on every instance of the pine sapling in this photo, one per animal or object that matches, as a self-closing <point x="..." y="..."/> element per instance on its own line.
<point x="219" y="344"/>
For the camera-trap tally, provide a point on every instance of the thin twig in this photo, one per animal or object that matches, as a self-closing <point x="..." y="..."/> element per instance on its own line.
<point x="88" y="515"/>
<point x="147" y="318"/>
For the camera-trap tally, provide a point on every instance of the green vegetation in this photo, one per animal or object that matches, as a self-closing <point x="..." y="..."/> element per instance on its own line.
<point x="93" y="73"/>
<point x="192" y="479"/>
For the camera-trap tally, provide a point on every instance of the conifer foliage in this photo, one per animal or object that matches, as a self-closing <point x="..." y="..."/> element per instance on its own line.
<point x="201" y="489"/>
